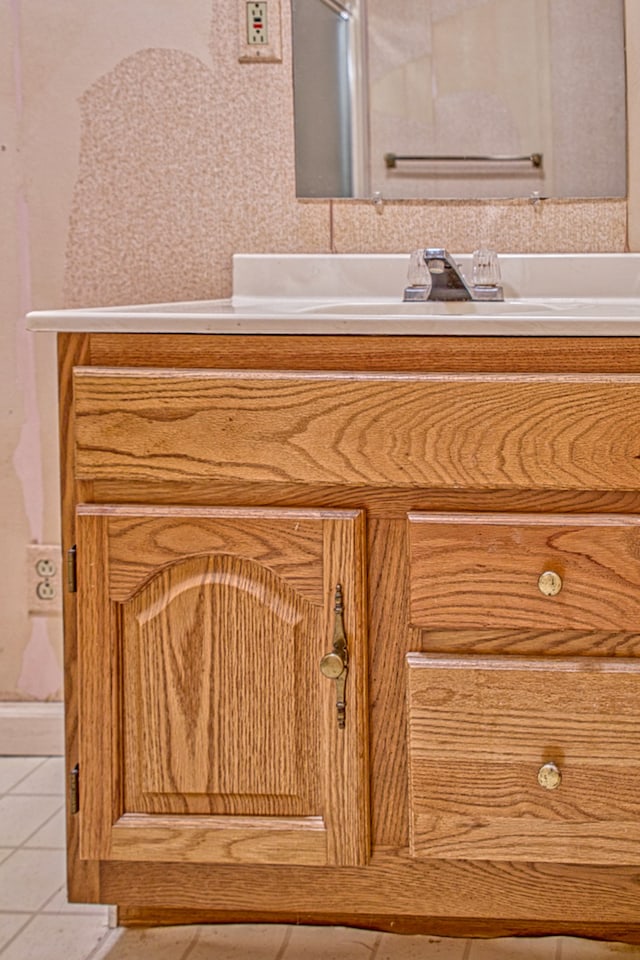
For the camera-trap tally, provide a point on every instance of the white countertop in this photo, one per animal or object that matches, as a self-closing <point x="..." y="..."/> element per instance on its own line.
<point x="338" y="295"/>
<point x="617" y="318"/>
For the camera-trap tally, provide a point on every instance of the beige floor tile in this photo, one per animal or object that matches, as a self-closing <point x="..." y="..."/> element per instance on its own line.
<point x="5" y="852"/>
<point x="52" y="834"/>
<point x="56" y="938"/>
<point x="515" y="948"/>
<point x="10" y="924"/>
<point x="253" y="941"/>
<point x="15" y="769"/>
<point x="59" y="904"/>
<point x="330" y="943"/>
<point x="29" y="878"/>
<point x="22" y="816"/>
<point x="394" y="946"/>
<point x="159" y="943"/>
<point x="574" y="949"/>
<point x="48" y="778"/>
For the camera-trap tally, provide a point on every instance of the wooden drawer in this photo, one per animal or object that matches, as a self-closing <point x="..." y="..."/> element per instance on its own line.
<point x="564" y="432"/>
<point x="483" y="730"/>
<point x="469" y="570"/>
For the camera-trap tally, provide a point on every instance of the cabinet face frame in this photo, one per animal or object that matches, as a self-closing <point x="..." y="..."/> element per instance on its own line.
<point x="116" y="561"/>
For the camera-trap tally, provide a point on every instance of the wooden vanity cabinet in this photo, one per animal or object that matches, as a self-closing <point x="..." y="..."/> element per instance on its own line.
<point x="353" y="631"/>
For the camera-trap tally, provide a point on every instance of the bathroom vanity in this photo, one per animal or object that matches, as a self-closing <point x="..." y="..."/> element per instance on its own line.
<point x="352" y="633"/>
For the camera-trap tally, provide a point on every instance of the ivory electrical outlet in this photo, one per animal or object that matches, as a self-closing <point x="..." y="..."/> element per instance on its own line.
<point x="44" y="579"/>
<point x="259" y="31"/>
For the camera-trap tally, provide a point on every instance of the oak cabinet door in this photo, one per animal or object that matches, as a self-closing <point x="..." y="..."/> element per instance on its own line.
<point x="208" y="732"/>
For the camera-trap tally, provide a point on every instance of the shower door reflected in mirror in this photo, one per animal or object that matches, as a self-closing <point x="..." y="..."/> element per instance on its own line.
<point x="329" y="83"/>
<point x="481" y="79"/>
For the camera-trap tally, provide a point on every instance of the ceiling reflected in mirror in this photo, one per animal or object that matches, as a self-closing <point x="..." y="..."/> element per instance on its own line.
<point x="459" y="99"/>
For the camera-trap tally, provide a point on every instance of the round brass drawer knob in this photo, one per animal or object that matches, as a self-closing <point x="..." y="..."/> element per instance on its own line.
<point x="550" y="583"/>
<point x="549" y="776"/>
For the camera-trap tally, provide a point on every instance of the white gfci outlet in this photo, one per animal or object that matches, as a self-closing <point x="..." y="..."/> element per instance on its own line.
<point x="259" y="31"/>
<point x="44" y="579"/>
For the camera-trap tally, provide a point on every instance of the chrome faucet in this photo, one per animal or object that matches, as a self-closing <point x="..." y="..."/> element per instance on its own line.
<point x="434" y="275"/>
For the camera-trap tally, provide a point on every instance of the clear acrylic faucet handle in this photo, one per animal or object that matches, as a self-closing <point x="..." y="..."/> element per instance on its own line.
<point x="485" y="268"/>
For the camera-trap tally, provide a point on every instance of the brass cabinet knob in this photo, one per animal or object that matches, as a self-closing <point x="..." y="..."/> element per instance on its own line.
<point x="550" y="583"/>
<point x="331" y="666"/>
<point x="549" y="776"/>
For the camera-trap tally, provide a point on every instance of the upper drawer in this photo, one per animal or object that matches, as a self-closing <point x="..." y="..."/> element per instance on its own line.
<point x="400" y="430"/>
<point x="483" y="570"/>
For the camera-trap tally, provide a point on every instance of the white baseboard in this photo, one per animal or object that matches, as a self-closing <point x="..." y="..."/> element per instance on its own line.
<point x="31" y="729"/>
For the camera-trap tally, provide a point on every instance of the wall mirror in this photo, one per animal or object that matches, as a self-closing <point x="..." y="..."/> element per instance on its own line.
<point x="459" y="98"/>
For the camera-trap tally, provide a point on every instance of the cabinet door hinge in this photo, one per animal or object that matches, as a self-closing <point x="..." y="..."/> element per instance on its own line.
<point x="72" y="580"/>
<point x="74" y="789"/>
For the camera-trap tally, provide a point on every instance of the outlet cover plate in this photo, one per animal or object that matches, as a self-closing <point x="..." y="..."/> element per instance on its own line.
<point x="270" y="52"/>
<point x="44" y="579"/>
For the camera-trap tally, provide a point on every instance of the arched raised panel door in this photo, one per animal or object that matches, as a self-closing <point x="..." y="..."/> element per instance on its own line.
<point x="208" y="732"/>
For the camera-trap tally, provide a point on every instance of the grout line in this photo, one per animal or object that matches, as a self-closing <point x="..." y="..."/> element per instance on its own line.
<point x="467" y="950"/>
<point x="49" y="899"/>
<point x="37" y="830"/>
<point x="285" y="943"/>
<point x="22" y="779"/>
<point x="558" y="955"/>
<point x="191" y="947"/>
<point x="18" y="933"/>
<point x="22" y="846"/>
<point x="332" y="245"/>
<point x="104" y="942"/>
<point x="45" y="849"/>
<point x="376" y="946"/>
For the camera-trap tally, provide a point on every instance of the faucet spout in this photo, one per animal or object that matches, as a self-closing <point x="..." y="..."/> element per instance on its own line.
<point x="447" y="282"/>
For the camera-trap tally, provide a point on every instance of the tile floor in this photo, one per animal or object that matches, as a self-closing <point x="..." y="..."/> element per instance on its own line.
<point x="37" y="923"/>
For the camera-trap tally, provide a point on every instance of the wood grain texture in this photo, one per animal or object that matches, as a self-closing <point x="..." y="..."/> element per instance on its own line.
<point x="392" y="886"/>
<point x="524" y="642"/>
<point x="480" y="728"/>
<point x="216" y="704"/>
<point x="436" y="354"/>
<point x="220" y="840"/>
<point x="388" y="503"/>
<point x="499" y="431"/>
<point x="478" y="570"/>
<point x="406" y="925"/>
<point x="345" y="764"/>
<point x="82" y="876"/>
<point x="390" y="639"/>
<point x="219" y="692"/>
<point x="143" y="539"/>
<point x="97" y="676"/>
<point x="491" y="896"/>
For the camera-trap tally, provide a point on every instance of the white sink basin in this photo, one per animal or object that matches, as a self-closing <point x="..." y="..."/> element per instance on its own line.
<point x="474" y="308"/>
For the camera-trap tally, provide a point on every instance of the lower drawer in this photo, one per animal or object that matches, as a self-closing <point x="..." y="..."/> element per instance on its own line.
<point x="524" y="759"/>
